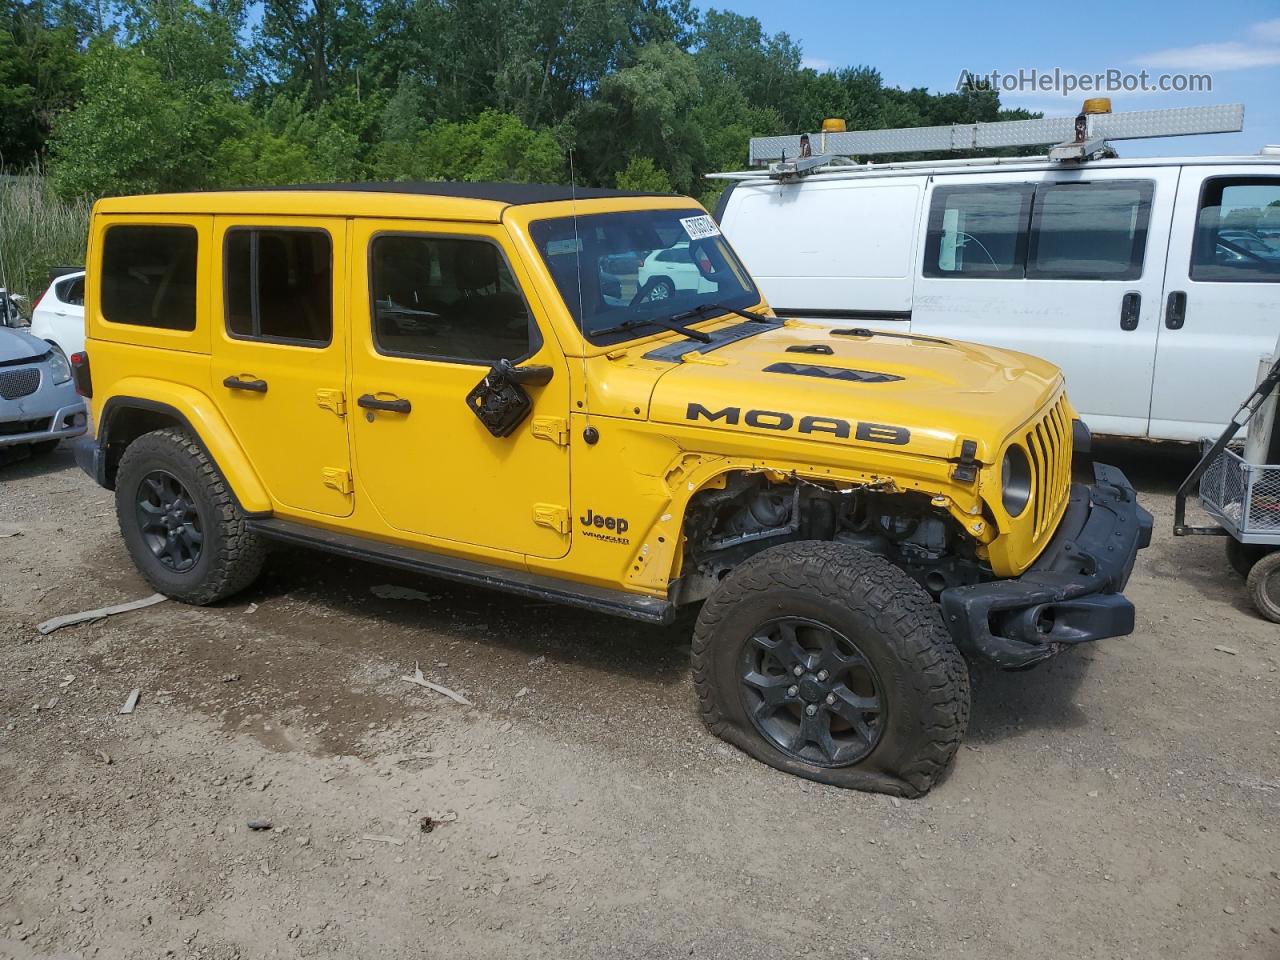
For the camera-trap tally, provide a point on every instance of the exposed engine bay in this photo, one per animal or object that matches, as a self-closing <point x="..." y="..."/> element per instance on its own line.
<point x="749" y="514"/>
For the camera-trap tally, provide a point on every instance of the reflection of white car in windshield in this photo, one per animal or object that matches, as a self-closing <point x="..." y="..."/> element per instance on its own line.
<point x="664" y="272"/>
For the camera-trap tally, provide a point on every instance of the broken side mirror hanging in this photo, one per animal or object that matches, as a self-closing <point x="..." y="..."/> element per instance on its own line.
<point x="500" y="401"/>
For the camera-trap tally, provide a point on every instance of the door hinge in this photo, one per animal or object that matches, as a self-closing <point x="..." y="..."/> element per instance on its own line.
<point x="555" y="429"/>
<point x="338" y="478"/>
<point x="332" y="400"/>
<point x="551" y="515"/>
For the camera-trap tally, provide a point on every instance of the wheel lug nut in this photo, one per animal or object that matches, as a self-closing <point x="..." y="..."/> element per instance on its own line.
<point x="811" y="709"/>
<point x="822" y="674"/>
<point x="798" y="671"/>
<point x="792" y="691"/>
<point x="831" y="698"/>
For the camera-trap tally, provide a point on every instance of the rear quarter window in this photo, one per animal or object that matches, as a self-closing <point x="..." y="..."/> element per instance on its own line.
<point x="149" y="276"/>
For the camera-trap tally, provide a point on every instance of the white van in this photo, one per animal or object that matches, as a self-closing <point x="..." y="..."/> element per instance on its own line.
<point x="1153" y="283"/>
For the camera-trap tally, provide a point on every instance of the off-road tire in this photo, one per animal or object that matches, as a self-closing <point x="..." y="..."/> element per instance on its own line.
<point x="230" y="557"/>
<point x="894" y="624"/>
<point x="1242" y="556"/>
<point x="1264" y="586"/>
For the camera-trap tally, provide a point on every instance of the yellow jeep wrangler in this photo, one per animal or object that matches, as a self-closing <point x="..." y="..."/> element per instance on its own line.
<point x="583" y="397"/>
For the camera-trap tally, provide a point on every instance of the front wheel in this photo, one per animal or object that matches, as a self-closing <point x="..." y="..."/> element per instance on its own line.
<point x="824" y="661"/>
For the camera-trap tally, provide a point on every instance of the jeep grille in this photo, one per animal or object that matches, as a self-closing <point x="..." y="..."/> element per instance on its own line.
<point x="1048" y="443"/>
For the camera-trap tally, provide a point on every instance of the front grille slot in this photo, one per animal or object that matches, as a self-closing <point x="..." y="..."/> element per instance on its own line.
<point x="1048" y="444"/>
<point x="19" y="383"/>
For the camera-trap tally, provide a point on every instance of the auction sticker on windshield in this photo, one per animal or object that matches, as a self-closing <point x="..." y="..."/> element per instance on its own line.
<point x="699" y="228"/>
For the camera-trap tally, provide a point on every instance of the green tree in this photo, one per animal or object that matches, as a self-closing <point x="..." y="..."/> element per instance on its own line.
<point x="39" y="78"/>
<point x="135" y="131"/>
<point x="641" y="174"/>
<point x="493" y="146"/>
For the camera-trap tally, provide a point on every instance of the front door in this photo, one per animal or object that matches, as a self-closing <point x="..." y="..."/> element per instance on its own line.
<point x="1222" y="299"/>
<point x="1067" y="266"/>
<point x="279" y="355"/>
<point x="439" y="305"/>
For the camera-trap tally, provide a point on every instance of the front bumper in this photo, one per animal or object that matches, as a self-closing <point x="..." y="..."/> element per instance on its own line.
<point x="1071" y="594"/>
<point x="33" y="423"/>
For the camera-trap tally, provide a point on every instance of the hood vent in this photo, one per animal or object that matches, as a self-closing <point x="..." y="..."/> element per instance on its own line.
<point x="831" y="373"/>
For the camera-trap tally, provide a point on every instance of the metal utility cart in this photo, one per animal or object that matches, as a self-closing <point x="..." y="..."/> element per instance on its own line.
<point x="1244" y="496"/>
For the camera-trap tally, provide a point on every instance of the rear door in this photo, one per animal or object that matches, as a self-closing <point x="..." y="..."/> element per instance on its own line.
<point x="1222" y="301"/>
<point x="279" y="355"/>
<point x="1064" y="265"/>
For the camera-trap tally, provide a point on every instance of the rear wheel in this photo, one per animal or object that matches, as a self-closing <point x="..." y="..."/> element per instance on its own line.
<point x="182" y="526"/>
<point x="830" y="663"/>
<point x="1264" y="586"/>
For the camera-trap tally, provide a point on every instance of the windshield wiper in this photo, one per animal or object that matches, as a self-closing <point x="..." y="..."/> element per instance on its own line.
<point x="708" y="308"/>
<point x="676" y="322"/>
<point x="669" y="323"/>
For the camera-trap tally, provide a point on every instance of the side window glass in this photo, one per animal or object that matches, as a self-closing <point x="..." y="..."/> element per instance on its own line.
<point x="278" y="285"/>
<point x="447" y="298"/>
<point x="1090" y="231"/>
<point x="72" y="291"/>
<point x="149" y="276"/>
<point x="1238" y="231"/>
<point x="978" y="231"/>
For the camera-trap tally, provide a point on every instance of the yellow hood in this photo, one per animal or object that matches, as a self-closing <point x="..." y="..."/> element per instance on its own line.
<point x="917" y="395"/>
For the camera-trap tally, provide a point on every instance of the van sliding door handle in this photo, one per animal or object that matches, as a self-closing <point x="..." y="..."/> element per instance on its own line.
<point x="235" y="383"/>
<point x="1175" y="310"/>
<point x="1130" y="308"/>
<point x="369" y="402"/>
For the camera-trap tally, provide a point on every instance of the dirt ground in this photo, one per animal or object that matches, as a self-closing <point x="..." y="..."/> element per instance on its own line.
<point x="1120" y="801"/>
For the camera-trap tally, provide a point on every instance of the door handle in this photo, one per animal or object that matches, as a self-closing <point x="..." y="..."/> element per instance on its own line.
<point x="1130" y="308"/>
<point x="235" y="383"/>
<point x="1175" y="311"/>
<point x="398" y="405"/>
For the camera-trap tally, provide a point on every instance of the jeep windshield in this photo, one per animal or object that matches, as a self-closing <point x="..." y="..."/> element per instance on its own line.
<point x="625" y="275"/>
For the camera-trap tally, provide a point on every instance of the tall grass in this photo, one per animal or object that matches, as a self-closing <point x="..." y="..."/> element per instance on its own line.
<point x="37" y="231"/>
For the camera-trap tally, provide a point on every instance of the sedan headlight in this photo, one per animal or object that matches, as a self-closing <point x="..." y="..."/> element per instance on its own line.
<point x="59" y="366"/>
<point x="1015" y="479"/>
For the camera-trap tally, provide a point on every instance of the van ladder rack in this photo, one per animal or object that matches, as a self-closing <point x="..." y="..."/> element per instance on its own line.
<point x="1070" y="139"/>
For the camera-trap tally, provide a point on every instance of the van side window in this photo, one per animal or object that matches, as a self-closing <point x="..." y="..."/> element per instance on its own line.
<point x="1089" y="231"/>
<point x="1238" y="231"/>
<point x="149" y="276"/>
<point x="447" y="298"/>
<point x="279" y="285"/>
<point x="978" y="231"/>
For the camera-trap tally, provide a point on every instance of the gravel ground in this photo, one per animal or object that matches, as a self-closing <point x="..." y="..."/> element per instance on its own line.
<point x="1119" y="801"/>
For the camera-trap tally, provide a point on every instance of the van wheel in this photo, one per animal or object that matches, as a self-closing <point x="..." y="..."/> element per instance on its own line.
<point x="830" y="663"/>
<point x="1264" y="586"/>
<point x="182" y="526"/>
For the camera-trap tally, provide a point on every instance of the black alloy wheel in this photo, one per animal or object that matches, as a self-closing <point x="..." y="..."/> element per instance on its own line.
<point x="811" y="692"/>
<point x="169" y="521"/>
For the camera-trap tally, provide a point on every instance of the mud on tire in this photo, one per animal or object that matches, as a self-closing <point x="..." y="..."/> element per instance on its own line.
<point x="227" y="557"/>
<point x="847" y="660"/>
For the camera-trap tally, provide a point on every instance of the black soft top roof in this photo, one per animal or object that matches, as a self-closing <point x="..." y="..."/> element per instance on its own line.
<point x="509" y="193"/>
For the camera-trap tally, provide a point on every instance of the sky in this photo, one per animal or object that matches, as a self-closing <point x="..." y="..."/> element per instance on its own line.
<point x="929" y="44"/>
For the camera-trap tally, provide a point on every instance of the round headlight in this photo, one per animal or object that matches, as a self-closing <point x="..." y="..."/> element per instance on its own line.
<point x="1015" y="479"/>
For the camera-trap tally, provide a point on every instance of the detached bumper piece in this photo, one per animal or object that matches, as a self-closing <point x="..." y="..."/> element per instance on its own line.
<point x="1071" y="594"/>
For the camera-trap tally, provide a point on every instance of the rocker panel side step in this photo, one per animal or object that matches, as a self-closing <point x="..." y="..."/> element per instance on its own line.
<point x="520" y="582"/>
